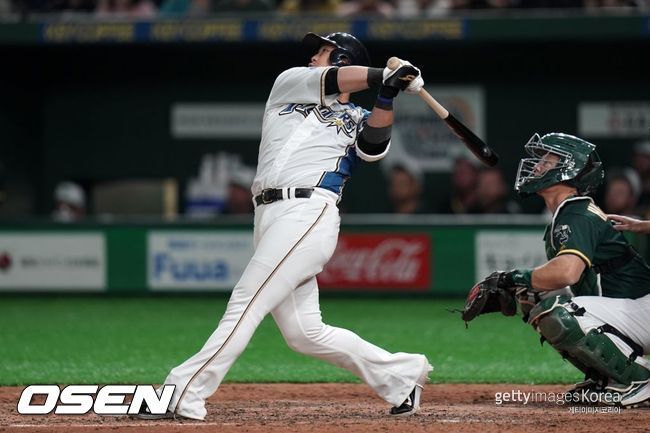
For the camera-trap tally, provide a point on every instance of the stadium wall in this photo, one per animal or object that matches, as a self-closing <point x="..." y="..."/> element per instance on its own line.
<point x="426" y="255"/>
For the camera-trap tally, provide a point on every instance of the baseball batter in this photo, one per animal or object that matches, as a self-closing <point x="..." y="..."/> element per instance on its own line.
<point x="604" y="330"/>
<point x="312" y="139"/>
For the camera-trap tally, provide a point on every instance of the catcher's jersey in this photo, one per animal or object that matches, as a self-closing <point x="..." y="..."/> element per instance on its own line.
<point x="581" y="228"/>
<point x="308" y="138"/>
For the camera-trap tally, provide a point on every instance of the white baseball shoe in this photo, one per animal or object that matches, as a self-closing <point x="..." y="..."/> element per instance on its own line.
<point x="412" y="402"/>
<point x="637" y="395"/>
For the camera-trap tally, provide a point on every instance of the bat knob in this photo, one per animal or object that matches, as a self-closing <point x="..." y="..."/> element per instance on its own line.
<point x="393" y="63"/>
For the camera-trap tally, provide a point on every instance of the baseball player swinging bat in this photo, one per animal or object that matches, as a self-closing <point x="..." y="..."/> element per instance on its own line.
<point x="478" y="147"/>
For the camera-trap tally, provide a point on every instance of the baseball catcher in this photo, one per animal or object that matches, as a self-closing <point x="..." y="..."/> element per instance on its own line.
<point x="602" y="325"/>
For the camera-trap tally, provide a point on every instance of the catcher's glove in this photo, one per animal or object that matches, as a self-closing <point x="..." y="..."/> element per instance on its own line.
<point x="495" y="293"/>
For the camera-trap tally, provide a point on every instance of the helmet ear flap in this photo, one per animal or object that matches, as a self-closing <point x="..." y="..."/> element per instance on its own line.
<point x="591" y="177"/>
<point x="340" y="57"/>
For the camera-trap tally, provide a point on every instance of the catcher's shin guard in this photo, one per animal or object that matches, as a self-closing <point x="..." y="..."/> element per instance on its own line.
<point x="594" y="352"/>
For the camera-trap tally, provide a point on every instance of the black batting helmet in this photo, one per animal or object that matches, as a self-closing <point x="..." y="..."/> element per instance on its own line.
<point x="348" y="49"/>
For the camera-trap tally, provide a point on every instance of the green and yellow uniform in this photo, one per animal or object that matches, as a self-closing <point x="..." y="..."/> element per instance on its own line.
<point x="579" y="227"/>
<point x="604" y="328"/>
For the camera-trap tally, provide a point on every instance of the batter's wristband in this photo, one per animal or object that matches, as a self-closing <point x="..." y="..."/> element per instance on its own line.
<point x="388" y="91"/>
<point x="385" y="97"/>
<point x="375" y="76"/>
<point x="384" y="103"/>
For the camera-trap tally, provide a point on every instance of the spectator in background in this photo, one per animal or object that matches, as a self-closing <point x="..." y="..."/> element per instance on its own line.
<point x="243" y="6"/>
<point x="411" y="8"/>
<point x="222" y="187"/>
<point x="550" y="4"/>
<point x="82" y="6"/>
<point x="190" y="8"/>
<point x="622" y="192"/>
<point x="405" y="190"/>
<point x="53" y="6"/>
<point x="141" y="9"/>
<point x="319" y="6"/>
<point x="70" y="202"/>
<point x="596" y="4"/>
<point x="492" y="194"/>
<point x="464" y="179"/>
<point x="240" y="197"/>
<point x="372" y="7"/>
<point x="641" y="163"/>
<point x="478" y="4"/>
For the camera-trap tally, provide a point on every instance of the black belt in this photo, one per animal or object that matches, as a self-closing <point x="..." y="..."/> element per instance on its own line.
<point x="270" y="195"/>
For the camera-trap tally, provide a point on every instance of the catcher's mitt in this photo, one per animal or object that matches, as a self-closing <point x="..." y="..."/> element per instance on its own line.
<point x="489" y="296"/>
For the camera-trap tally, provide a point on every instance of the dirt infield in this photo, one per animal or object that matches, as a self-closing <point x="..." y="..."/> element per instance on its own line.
<point x="349" y="408"/>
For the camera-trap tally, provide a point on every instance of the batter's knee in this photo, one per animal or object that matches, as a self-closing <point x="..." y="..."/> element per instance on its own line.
<point x="302" y="340"/>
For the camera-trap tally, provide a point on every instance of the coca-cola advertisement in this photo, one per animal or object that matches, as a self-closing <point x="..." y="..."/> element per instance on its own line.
<point x="379" y="261"/>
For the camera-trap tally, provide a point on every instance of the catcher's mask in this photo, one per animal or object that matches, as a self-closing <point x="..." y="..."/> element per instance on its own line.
<point x="559" y="158"/>
<point x="348" y="50"/>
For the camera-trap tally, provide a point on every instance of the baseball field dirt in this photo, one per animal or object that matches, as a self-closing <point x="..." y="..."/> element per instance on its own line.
<point x="353" y="408"/>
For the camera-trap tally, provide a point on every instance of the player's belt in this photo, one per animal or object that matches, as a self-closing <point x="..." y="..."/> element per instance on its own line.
<point x="270" y="195"/>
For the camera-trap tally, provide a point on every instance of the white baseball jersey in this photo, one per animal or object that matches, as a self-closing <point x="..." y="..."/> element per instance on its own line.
<point x="295" y="150"/>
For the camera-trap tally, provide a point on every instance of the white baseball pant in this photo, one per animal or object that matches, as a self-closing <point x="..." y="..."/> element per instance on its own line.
<point x="293" y="238"/>
<point x="630" y="316"/>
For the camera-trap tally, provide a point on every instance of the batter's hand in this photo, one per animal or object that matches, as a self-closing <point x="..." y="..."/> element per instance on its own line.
<point x="400" y="74"/>
<point x="415" y="86"/>
<point x="623" y="223"/>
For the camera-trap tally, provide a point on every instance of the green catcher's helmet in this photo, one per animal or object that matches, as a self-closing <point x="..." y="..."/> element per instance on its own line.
<point x="579" y="164"/>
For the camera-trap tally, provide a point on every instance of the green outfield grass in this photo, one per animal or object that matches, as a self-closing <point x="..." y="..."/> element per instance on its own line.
<point x="137" y="340"/>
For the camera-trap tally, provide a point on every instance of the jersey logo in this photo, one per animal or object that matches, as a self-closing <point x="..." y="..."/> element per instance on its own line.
<point x="341" y="120"/>
<point x="562" y="234"/>
<point x="303" y="109"/>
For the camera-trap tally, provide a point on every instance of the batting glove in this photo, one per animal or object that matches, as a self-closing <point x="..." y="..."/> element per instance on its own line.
<point x="416" y="85"/>
<point x="401" y="76"/>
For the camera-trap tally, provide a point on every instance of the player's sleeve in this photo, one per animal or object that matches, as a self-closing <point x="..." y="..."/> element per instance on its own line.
<point x="577" y="234"/>
<point x="301" y="85"/>
<point x="367" y="150"/>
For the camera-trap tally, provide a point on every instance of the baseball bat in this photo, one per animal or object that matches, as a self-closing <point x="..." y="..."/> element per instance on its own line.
<point x="482" y="151"/>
